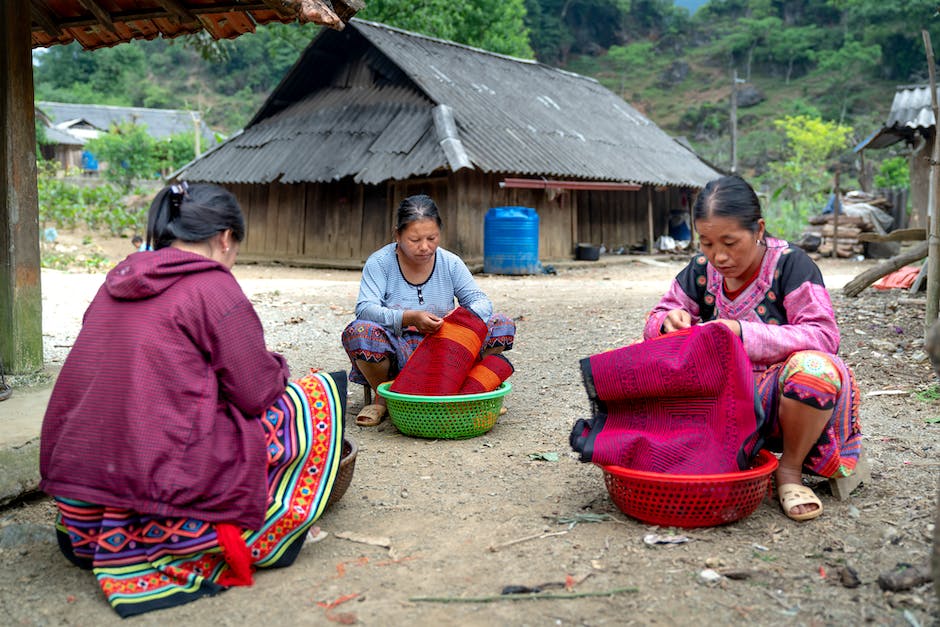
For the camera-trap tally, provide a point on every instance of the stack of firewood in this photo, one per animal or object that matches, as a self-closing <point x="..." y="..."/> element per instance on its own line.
<point x="842" y="231"/>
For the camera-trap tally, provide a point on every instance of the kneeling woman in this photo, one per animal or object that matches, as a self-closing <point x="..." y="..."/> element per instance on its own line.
<point x="180" y="456"/>
<point x="407" y="288"/>
<point x="772" y="296"/>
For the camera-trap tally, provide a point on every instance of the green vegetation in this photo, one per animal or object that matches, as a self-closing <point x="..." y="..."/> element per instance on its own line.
<point x="133" y="154"/>
<point x="64" y="205"/>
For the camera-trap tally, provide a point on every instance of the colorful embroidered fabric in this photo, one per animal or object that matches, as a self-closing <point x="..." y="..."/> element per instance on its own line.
<point x="680" y="403"/>
<point x="370" y="341"/>
<point x="439" y="366"/>
<point x="487" y="375"/>
<point x="144" y="562"/>
<point x="824" y="382"/>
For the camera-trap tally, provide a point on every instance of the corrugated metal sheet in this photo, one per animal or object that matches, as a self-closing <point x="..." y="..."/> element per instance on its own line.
<point x="108" y="22"/>
<point x="370" y="134"/>
<point x="911" y="114"/>
<point x="513" y="116"/>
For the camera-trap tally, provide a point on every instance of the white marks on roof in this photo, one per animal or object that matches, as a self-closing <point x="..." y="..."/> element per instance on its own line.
<point x="633" y="117"/>
<point x="548" y="102"/>
<point x="483" y="89"/>
<point x="440" y="75"/>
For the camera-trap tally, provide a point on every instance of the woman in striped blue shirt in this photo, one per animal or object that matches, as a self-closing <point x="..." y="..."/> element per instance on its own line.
<point x="407" y="288"/>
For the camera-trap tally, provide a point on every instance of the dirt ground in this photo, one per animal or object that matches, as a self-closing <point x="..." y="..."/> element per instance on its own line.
<point x="463" y="519"/>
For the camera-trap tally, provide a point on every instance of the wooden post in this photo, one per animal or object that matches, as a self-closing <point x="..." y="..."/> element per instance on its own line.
<point x="734" y="122"/>
<point x="933" y="224"/>
<point x="20" y="293"/>
<point x="836" y="209"/>
<point x="649" y="217"/>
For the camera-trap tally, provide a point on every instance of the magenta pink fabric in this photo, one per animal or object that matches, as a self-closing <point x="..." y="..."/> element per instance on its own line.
<point x="680" y="403"/>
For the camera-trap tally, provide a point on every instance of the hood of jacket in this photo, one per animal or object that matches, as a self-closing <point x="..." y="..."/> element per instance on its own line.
<point x="145" y="274"/>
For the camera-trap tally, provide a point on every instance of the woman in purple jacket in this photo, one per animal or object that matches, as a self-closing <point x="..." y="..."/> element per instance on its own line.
<point x="772" y="296"/>
<point x="180" y="456"/>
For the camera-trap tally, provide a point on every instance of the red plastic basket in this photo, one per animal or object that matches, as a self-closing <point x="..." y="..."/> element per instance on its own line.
<point x="690" y="500"/>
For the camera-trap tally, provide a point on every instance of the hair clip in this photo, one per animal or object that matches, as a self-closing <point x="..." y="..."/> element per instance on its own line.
<point x="177" y="192"/>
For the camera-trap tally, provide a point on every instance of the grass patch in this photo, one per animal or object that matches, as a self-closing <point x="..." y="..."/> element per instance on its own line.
<point x="928" y="394"/>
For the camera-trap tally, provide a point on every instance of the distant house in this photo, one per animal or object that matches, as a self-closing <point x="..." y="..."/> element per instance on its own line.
<point x="910" y="120"/>
<point x="372" y="114"/>
<point x="70" y="126"/>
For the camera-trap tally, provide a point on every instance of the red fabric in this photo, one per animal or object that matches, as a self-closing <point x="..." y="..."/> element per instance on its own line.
<point x="487" y="375"/>
<point x="236" y="554"/>
<point x="902" y="279"/>
<point x="156" y="407"/>
<point x="679" y="403"/>
<point x="439" y="366"/>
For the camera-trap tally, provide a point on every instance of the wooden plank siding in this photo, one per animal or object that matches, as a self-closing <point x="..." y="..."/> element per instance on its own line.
<point x="618" y="219"/>
<point x="341" y="223"/>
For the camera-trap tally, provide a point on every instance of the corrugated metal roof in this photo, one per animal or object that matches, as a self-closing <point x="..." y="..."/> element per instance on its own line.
<point x="160" y="123"/>
<point x="911" y="114"/>
<point x="513" y="116"/>
<point x="109" y="22"/>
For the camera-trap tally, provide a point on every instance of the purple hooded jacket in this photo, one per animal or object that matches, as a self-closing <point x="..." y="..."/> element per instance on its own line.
<point x="157" y="406"/>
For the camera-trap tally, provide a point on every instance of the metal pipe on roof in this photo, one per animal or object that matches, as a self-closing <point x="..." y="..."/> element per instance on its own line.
<point x="598" y="186"/>
<point x="449" y="137"/>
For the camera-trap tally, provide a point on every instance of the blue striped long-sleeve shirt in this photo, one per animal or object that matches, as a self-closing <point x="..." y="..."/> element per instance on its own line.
<point x="385" y="294"/>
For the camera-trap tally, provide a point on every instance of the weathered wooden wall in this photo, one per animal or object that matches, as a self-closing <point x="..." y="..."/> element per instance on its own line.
<point x="616" y="219"/>
<point x="342" y="223"/>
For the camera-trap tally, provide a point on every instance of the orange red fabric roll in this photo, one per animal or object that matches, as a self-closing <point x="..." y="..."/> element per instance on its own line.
<point x="487" y="375"/>
<point x="440" y="364"/>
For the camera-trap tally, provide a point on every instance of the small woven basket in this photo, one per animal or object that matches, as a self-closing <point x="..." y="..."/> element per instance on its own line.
<point x="347" y="466"/>
<point x="690" y="500"/>
<point x="444" y="417"/>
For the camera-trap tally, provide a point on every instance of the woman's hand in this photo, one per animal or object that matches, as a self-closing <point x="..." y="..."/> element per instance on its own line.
<point x="734" y="325"/>
<point x="426" y="323"/>
<point x="677" y="319"/>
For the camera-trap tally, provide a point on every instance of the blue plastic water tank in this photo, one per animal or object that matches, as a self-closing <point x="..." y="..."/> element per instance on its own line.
<point x="511" y="241"/>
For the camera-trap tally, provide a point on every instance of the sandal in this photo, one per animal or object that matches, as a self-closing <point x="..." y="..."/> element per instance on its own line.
<point x="793" y="494"/>
<point x="371" y="415"/>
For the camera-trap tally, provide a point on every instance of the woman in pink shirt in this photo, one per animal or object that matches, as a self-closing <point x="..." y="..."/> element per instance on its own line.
<point x="772" y="296"/>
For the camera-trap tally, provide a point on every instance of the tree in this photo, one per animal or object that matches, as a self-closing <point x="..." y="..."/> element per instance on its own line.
<point x="844" y="71"/>
<point x="894" y="27"/>
<point x="129" y="152"/>
<point x="494" y="25"/>
<point x="793" y="46"/>
<point x="801" y="174"/>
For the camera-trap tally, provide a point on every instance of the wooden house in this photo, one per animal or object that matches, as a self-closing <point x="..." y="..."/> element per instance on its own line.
<point x="71" y="125"/>
<point x="372" y="114"/>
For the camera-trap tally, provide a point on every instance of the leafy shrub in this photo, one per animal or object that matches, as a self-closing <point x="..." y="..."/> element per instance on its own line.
<point x="67" y="206"/>
<point x="894" y="173"/>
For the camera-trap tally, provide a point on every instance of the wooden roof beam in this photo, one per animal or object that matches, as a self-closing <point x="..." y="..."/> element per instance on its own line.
<point x="45" y="19"/>
<point x="279" y="6"/>
<point x="347" y="9"/>
<point x="100" y="14"/>
<point x="177" y="9"/>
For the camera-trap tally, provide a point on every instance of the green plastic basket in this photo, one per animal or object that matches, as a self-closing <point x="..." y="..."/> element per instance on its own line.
<point x="444" y="417"/>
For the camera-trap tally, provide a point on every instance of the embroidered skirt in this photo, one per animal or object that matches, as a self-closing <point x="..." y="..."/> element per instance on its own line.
<point x="145" y="563"/>
<point x="822" y="381"/>
<point x="370" y="341"/>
